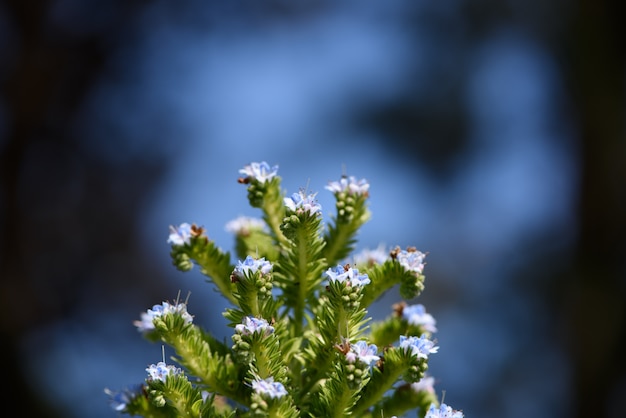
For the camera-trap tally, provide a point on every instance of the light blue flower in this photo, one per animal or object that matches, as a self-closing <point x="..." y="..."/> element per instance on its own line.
<point x="244" y="224"/>
<point x="369" y="257"/>
<point x="420" y="347"/>
<point x="146" y="323"/>
<point x="444" y="411"/>
<point x="417" y="315"/>
<point x="347" y="274"/>
<point x="363" y="352"/>
<point x="260" y="172"/>
<point x="412" y="260"/>
<point x="301" y="202"/>
<point x="250" y="325"/>
<point x="425" y="384"/>
<point x="162" y="371"/>
<point x="119" y="399"/>
<point x="359" y="280"/>
<point x="251" y="265"/>
<point x="350" y="185"/>
<point x="180" y="235"/>
<point x="267" y="387"/>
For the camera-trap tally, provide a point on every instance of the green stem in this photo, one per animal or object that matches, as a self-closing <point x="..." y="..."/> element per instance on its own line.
<point x="178" y="401"/>
<point x="334" y="245"/>
<point x="193" y="362"/>
<point x="377" y="390"/>
<point x="342" y="403"/>
<point x="342" y="324"/>
<point x="302" y="280"/>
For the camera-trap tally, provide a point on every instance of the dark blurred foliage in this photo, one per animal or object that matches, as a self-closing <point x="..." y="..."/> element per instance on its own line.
<point x="70" y="212"/>
<point x="586" y="295"/>
<point x="68" y="231"/>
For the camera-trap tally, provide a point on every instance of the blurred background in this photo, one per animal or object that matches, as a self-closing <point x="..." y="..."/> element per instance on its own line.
<point x="492" y="133"/>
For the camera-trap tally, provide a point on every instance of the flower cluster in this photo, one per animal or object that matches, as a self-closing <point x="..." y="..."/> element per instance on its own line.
<point x="346" y="274"/>
<point x="250" y="266"/>
<point x="162" y="371"/>
<point x="252" y="325"/>
<point x="303" y="344"/>
<point x="301" y="202"/>
<point x="267" y="387"/>
<point x="146" y="323"/>
<point x="363" y="352"/>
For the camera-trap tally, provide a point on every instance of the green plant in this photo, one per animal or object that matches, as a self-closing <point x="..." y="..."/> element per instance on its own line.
<point x="302" y="343"/>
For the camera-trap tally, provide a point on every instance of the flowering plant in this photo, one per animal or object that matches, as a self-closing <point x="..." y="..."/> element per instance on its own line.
<point x="302" y="343"/>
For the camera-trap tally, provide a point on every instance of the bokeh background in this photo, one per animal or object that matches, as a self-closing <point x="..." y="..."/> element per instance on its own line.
<point x="492" y="133"/>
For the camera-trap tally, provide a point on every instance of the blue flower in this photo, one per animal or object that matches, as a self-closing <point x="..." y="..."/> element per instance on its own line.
<point x="417" y="315"/>
<point x="350" y="185"/>
<point x="146" y="323"/>
<point x="119" y="399"/>
<point x="162" y="371"/>
<point x="412" y="260"/>
<point x="180" y="235"/>
<point x="251" y="266"/>
<point x="260" y="172"/>
<point x="347" y="274"/>
<point x="444" y="411"/>
<point x="267" y="387"/>
<point x="420" y="347"/>
<point x="301" y="202"/>
<point x="363" y="352"/>
<point x="250" y="325"/>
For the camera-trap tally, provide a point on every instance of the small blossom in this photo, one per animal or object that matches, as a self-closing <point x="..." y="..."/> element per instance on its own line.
<point x="269" y="387"/>
<point x="146" y="323"/>
<point x="420" y="347"/>
<point x="244" y="224"/>
<point x="347" y="274"/>
<point x="412" y="260"/>
<point x="425" y="384"/>
<point x="162" y="371"/>
<point x="370" y="257"/>
<point x="260" y="172"/>
<point x="444" y="411"/>
<point x="251" y="265"/>
<point x="119" y="399"/>
<point x="301" y="202"/>
<point x="363" y="352"/>
<point x="417" y="315"/>
<point x="180" y="235"/>
<point x="250" y="325"/>
<point x="350" y="185"/>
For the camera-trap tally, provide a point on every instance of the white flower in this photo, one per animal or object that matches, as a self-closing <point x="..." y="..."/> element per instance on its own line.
<point x="146" y="323"/>
<point x="244" y="224"/>
<point x="417" y="315"/>
<point x="444" y="411"/>
<point x="368" y="257"/>
<point x="347" y="274"/>
<point x="162" y="371"/>
<point x="350" y="185"/>
<point x="301" y="202"/>
<point x="180" y="235"/>
<point x="251" y="265"/>
<point x="269" y="387"/>
<point x="412" y="260"/>
<point x="250" y="325"/>
<point x="420" y="347"/>
<point x="363" y="352"/>
<point x="425" y="384"/>
<point x="261" y="172"/>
